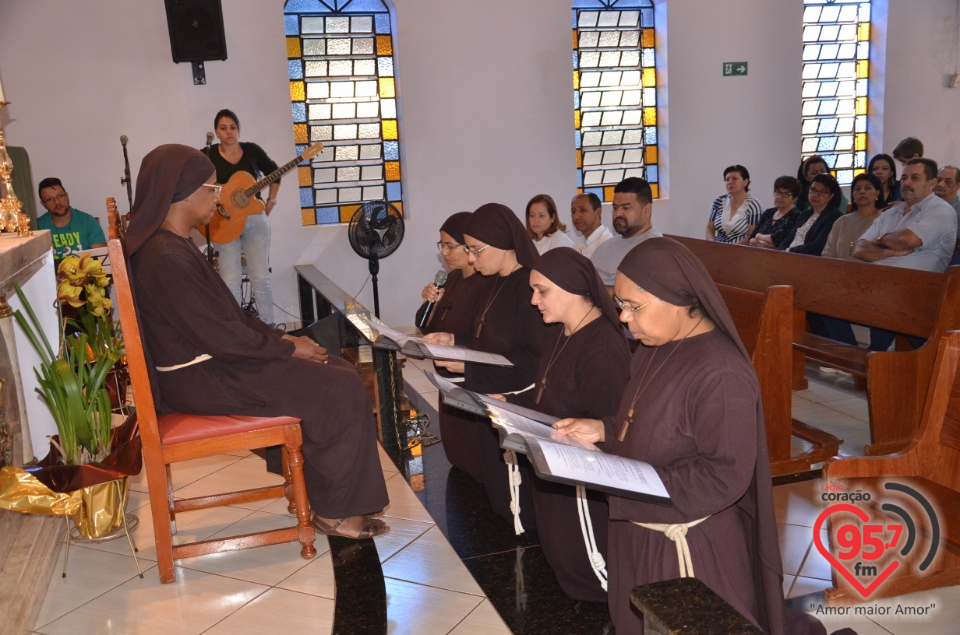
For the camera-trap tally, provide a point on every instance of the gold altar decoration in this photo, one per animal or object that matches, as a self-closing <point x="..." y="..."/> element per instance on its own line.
<point x="12" y="218"/>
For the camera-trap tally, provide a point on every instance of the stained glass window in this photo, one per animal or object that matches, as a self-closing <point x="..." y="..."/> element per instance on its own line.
<point x="836" y="70"/>
<point x="615" y="94"/>
<point x="343" y="94"/>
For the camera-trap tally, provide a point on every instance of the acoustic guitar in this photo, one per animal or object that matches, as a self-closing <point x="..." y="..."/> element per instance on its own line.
<point x="238" y="199"/>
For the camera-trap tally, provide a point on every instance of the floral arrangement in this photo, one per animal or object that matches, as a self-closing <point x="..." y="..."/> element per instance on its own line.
<point x="72" y="379"/>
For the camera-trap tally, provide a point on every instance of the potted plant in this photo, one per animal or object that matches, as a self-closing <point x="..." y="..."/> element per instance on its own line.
<point x="72" y="384"/>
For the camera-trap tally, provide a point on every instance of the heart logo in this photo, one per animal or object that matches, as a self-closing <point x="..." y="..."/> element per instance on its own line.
<point x="817" y="540"/>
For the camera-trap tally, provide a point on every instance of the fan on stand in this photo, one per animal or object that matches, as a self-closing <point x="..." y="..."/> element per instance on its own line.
<point x="376" y="231"/>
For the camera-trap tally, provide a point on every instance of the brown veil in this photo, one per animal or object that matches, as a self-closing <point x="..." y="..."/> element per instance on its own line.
<point x="573" y="272"/>
<point x="497" y="226"/>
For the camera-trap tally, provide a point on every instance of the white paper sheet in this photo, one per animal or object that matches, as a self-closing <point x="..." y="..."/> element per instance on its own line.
<point x="601" y="468"/>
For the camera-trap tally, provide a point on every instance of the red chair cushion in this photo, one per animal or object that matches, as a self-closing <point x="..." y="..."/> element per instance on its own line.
<point x="179" y="428"/>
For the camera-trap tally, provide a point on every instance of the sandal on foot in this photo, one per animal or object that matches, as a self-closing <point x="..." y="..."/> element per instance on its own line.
<point x="371" y="528"/>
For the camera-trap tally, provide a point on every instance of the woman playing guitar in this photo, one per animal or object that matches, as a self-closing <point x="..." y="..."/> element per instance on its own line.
<point x="230" y="156"/>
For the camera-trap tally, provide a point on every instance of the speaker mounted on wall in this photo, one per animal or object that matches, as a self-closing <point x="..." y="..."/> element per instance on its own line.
<point x="196" y="30"/>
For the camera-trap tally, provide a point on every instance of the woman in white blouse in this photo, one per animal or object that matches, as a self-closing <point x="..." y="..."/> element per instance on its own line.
<point x="544" y="225"/>
<point x="734" y="215"/>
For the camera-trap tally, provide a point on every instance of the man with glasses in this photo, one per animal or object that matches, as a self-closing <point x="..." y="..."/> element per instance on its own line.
<point x="632" y="220"/>
<point x="71" y="229"/>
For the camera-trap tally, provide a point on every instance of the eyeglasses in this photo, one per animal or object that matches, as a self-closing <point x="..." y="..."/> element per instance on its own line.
<point x="215" y="187"/>
<point x="474" y="251"/>
<point x="57" y="197"/>
<point x="441" y="246"/>
<point x="623" y="306"/>
<point x="818" y="191"/>
<point x="782" y="193"/>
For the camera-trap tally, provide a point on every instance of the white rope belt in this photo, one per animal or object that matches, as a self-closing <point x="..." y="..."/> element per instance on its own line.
<point x="513" y="471"/>
<point x="678" y="534"/>
<point x="597" y="563"/>
<point x="196" y="360"/>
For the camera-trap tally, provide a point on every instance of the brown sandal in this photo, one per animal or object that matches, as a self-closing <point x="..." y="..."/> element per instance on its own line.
<point x="371" y="528"/>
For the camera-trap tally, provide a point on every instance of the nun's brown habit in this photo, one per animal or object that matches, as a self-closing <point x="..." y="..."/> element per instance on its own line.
<point x="699" y="422"/>
<point x="185" y="311"/>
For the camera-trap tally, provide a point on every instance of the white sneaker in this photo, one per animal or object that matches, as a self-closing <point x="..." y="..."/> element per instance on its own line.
<point x="829" y="371"/>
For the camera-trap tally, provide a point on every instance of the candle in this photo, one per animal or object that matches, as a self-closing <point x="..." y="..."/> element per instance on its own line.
<point x="1" y="93"/>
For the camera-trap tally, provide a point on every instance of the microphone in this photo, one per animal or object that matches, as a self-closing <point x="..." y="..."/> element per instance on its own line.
<point x="209" y="139"/>
<point x="123" y="140"/>
<point x="438" y="281"/>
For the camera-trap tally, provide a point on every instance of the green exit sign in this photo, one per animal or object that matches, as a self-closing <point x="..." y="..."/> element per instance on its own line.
<point x="734" y="68"/>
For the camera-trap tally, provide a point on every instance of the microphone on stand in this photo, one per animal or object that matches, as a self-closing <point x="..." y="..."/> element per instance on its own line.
<point x="209" y="142"/>
<point x="126" y="180"/>
<point x="438" y="281"/>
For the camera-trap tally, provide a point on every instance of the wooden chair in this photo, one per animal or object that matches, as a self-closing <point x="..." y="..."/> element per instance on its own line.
<point x="168" y="439"/>
<point x="930" y="465"/>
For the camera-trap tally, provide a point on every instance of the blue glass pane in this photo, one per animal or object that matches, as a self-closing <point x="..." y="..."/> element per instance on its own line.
<point x="576" y="100"/>
<point x="603" y="4"/>
<point x="291" y="24"/>
<point x="383" y="23"/>
<point x="574" y="25"/>
<point x="391" y="150"/>
<point x="652" y="173"/>
<point x="296" y="6"/>
<point x="306" y="197"/>
<point x="362" y="6"/>
<point x="577" y="140"/>
<point x="385" y="66"/>
<point x="299" y="112"/>
<point x="393" y="192"/>
<point x="576" y="60"/>
<point x="595" y="190"/>
<point x="650" y="136"/>
<point x="327" y="215"/>
<point x="295" y="69"/>
<point x="580" y="181"/>
<point x="646" y="18"/>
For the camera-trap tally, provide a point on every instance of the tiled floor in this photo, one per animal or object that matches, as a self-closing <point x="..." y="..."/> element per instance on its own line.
<point x="429" y="590"/>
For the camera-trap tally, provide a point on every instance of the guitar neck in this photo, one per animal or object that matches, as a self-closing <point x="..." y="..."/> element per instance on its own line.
<point x="273" y="177"/>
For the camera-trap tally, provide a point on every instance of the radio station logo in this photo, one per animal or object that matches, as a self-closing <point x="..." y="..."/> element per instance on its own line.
<point x="868" y="553"/>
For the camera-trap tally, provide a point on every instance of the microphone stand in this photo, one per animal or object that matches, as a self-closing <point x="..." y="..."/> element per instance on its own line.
<point x="126" y="180"/>
<point x="209" y="245"/>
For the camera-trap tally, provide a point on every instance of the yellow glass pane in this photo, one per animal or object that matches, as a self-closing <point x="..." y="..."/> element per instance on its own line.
<point x="293" y="47"/>
<point x="859" y="171"/>
<point x="576" y="80"/>
<point x="655" y="190"/>
<point x="304" y="176"/>
<point x="579" y="159"/>
<point x="861" y="141"/>
<point x="392" y="169"/>
<point x="389" y="129"/>
<point x="648" y="39"/>
<point x="861" y="105"/>
<point x="308" y="216"/>
<point x="650" y="116"/>
<point x="387" y="88"/>
<point x="649" y="77"/>
<point x="398" y="205"/>
<point x="576" y="119"/>
<point x="576" y="39"/>
<point x="863" y="32"/>
<point x="384" y="45"/>
<point x="650" y="157"/>
<point x="608" y="194"/>
<point x="296" y="91"/>
<point x="300" y="133"/>
<point x="347" y="212"/>
<point x="863" y="69"/>
<point x="417" y="482"/>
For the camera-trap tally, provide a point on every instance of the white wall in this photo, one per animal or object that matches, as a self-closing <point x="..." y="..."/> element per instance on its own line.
<point x="485" y="90"/>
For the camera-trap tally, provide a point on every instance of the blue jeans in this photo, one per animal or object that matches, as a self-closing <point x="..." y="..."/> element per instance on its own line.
<point x="880" y="339"/>
<point x="254" y="242"/>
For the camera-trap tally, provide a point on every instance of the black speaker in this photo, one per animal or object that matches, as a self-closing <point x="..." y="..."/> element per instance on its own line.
<point x="196" y="30"/>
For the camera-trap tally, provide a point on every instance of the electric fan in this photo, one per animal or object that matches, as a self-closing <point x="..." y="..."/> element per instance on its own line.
<point x="376" y="231"/>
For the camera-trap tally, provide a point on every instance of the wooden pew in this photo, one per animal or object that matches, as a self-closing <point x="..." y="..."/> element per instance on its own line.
<point x="764" y="323"/>
<point x="920" y="303"/>
<point x="930" y="465"/>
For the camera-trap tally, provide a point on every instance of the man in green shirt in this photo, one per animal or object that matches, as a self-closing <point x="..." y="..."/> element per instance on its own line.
<point x="72" y="229"/>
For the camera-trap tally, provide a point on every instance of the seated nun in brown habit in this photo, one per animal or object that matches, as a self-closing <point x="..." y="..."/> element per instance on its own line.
<point x="583" y="371"/>
<point x="692" y="410"/>
<point x="500" y="249"/>
<point x="212" y="358"/>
